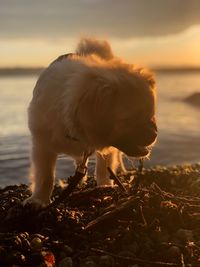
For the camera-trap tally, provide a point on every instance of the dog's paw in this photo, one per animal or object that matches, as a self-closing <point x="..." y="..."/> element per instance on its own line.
<point x="36" y="203"/>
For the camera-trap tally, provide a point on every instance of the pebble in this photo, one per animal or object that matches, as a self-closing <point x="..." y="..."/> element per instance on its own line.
<point x="88" y="262"/>
<point x="25" y="244"/>
<point x="66" y="251"/>
<point x="49" y="258"/>
<point x="18" y="258"/>
<point x="42" y="237"/>
<point x="106" y="261"/>
<point x="66" y="262"/>
<point x="36" y="243"/>
<point x="173" y="254"/>
<point x="184" y="235"/>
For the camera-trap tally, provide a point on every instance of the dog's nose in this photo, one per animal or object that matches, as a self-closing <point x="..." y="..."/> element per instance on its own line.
<point x="147" y="133"/>
<point x="147" y="138"/>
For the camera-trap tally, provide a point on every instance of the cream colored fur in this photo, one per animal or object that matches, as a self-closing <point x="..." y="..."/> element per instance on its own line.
<point x="88" y="102"/>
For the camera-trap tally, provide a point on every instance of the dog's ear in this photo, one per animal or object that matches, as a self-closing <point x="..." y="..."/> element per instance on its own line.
<point x="96" y="109"/>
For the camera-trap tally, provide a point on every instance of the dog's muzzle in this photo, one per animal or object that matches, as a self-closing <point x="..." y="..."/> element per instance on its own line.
<point x="139" y="142"/>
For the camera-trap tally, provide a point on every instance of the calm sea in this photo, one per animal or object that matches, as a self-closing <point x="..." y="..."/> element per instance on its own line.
<point x="178" y="123"/>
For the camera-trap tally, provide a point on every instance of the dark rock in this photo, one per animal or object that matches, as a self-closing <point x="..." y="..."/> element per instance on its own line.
<point x="66" y="262"/>
<point x="193" y="99"/>
<point x="106" y="261"/>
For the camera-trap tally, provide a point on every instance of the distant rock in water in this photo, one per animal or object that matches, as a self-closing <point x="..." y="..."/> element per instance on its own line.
<point x="193" y="99"/>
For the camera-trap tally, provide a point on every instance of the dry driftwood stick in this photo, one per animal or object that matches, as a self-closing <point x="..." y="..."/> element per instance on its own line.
<point x="142" y="216"/>
<point x="113" y="215"/>
<point x="182" y="263"/>
<point x="116" y="179"/>
<point x="188" y="199"/>
<point x="95" y="192"/>
<point x="136" y="260"/>
<point x="137" y="178"/>
<point x="141" y="165"/>
<point x="167" y="195"/>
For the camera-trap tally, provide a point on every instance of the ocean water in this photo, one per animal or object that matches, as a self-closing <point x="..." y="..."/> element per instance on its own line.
<point x="178" y="124"/>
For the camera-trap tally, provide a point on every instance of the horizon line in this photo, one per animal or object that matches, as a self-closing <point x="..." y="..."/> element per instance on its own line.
<point x="28" y="70"/>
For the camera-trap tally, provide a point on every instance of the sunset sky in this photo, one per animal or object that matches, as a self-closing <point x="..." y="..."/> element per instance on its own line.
<point x="147" y="32"/>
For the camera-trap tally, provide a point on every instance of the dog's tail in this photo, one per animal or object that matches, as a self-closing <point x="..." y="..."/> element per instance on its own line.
<point x="101" y="48"/>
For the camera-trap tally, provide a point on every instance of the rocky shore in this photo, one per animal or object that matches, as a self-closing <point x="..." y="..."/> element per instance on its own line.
<point x="193" y="99"/>
<point x="156" y="223"/>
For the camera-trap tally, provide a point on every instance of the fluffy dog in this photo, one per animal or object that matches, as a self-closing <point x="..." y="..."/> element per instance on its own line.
<point x="89" y="101"/>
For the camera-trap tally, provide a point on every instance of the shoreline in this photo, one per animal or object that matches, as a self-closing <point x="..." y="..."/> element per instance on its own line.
<point x="153" y="224"/>
<point x="18" y="71"/>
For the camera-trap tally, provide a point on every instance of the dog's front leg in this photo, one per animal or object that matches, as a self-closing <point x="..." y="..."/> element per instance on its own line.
<point x="42" y="174"/>
<point x="102" y="162"/>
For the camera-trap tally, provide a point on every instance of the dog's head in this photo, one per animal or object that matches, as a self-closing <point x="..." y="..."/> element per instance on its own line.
<point x="118" y="108"/>
<point x="135" y="129"/>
